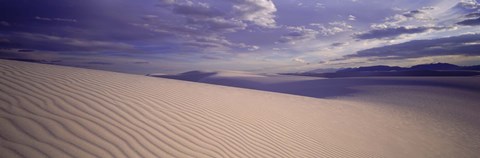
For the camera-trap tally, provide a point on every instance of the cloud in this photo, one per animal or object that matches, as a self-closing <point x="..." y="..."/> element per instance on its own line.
<point x="217" y="42"/>
<point x="56" y="43"/>
<point x="297" y="34"/>
<point x="332" y="28"/>
<point x="467" y="45"/>
<point x="352" y="18"/>
<point x="413" y="13"/>
<point x="468" y="5"/>
<point x="176" y="25"/>
<point x="4" y="23"/>
<point x="185" y="30"/>
<point x="219" y="24"/>
<point x="25" y="50"/>
<point x="4" y="40"/>
<point x="204" y="25"/>
<point x="419" y="21"/>
<point x="339" y="44"/>
<point x="386" y="32"/>
<point x="197" y="19"/>
<point x="199" y="9"/>
<point x="205" y="18"/>
<point x="472" y="18"/>
<point x="44" y="19"/>
<point x="260" y="12"/>
<point x="319" y="5"/>
<point x="471" y="22"/>
<point x="141" y="62"/>
<point x="419" y="14"/>
<point x="473" y="15"/>
<point x="390" y="32"/>
<point x="299" y="60"/>
<point x="86" y="20"/>
<point x="401" y="23"/>
<point x="210" y="57"/>
<point x="98" y="63"/>
<point x="55" y="19"/>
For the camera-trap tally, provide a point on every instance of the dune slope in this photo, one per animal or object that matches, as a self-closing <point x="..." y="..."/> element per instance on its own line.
<point x="54" y="111"/>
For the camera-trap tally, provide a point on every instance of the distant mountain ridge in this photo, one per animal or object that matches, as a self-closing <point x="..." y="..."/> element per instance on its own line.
<point x="433" y="69"/>
<point x="372" y="68"/>
<point x="432" y="66"/>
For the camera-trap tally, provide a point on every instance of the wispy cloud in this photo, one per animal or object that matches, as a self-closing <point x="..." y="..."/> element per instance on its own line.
<point x="55" y="19"/>
<point x="465" y="45"/>
<point x="332" y="28"/>
<point x="4" y="23"/>
<point x="56" y="43"/>
<point x="395" y="32"/>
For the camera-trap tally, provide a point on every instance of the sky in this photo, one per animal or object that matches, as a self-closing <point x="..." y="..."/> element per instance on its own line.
<point x="172" y="36"/>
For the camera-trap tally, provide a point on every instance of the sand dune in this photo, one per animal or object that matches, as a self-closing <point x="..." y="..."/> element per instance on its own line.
<point x="54" y="111"/>
<point x="329" y="87"/>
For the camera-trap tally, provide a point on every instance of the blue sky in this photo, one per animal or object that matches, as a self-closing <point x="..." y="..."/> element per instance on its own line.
<point x="145" y="36"/>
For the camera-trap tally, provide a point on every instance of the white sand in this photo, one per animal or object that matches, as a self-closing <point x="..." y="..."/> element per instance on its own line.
<point x="54" y="111"/>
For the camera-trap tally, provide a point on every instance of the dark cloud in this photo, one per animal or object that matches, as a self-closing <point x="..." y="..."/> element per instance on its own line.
<point x="467" y="45"/>
<point x="35" y="60"/>
<point x="339" y="44"/>
<point x="98" y="63"/>
<point x="4" y="23"/>
<point x="80" y="26"/>
<point x="141" y="62"/>
<point x="29" y="41"/>
<point x="413" y="13"/>
<point x="25" y="50"/>
<point x="419" y="14"/>
<point x="472" y="15"/>
<point x="25" y="55"/>
<point x="471" y="19"/>
<point x="210" y="57"/>
<point x="6" y="53"/>
<point x="55" y="19"/>
<point x="348" y="63"/>
<point x="87" y="19"/>
<point x="332" y="28"/>
<point x="297" y="34"/>
<point x="391" y="32"/>
<point x="471" y="22"/>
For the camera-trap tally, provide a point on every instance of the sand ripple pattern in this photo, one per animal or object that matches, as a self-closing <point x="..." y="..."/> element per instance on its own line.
<point x="54" y="111"/>
<point x="51" y="111"/>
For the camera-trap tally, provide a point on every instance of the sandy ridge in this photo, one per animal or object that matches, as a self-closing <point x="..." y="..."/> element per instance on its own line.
<point x="54" y="111"/>
<point x="66" y="112"/>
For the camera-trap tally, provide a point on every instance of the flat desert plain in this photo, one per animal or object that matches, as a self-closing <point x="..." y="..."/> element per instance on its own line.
<point x="57" y="111"/>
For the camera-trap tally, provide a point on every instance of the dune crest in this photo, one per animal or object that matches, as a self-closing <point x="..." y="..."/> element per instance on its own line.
<point x="55" y="111"/>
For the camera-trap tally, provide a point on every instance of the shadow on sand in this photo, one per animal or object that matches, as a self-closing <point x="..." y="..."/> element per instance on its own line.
<point x="340" y="87"/>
